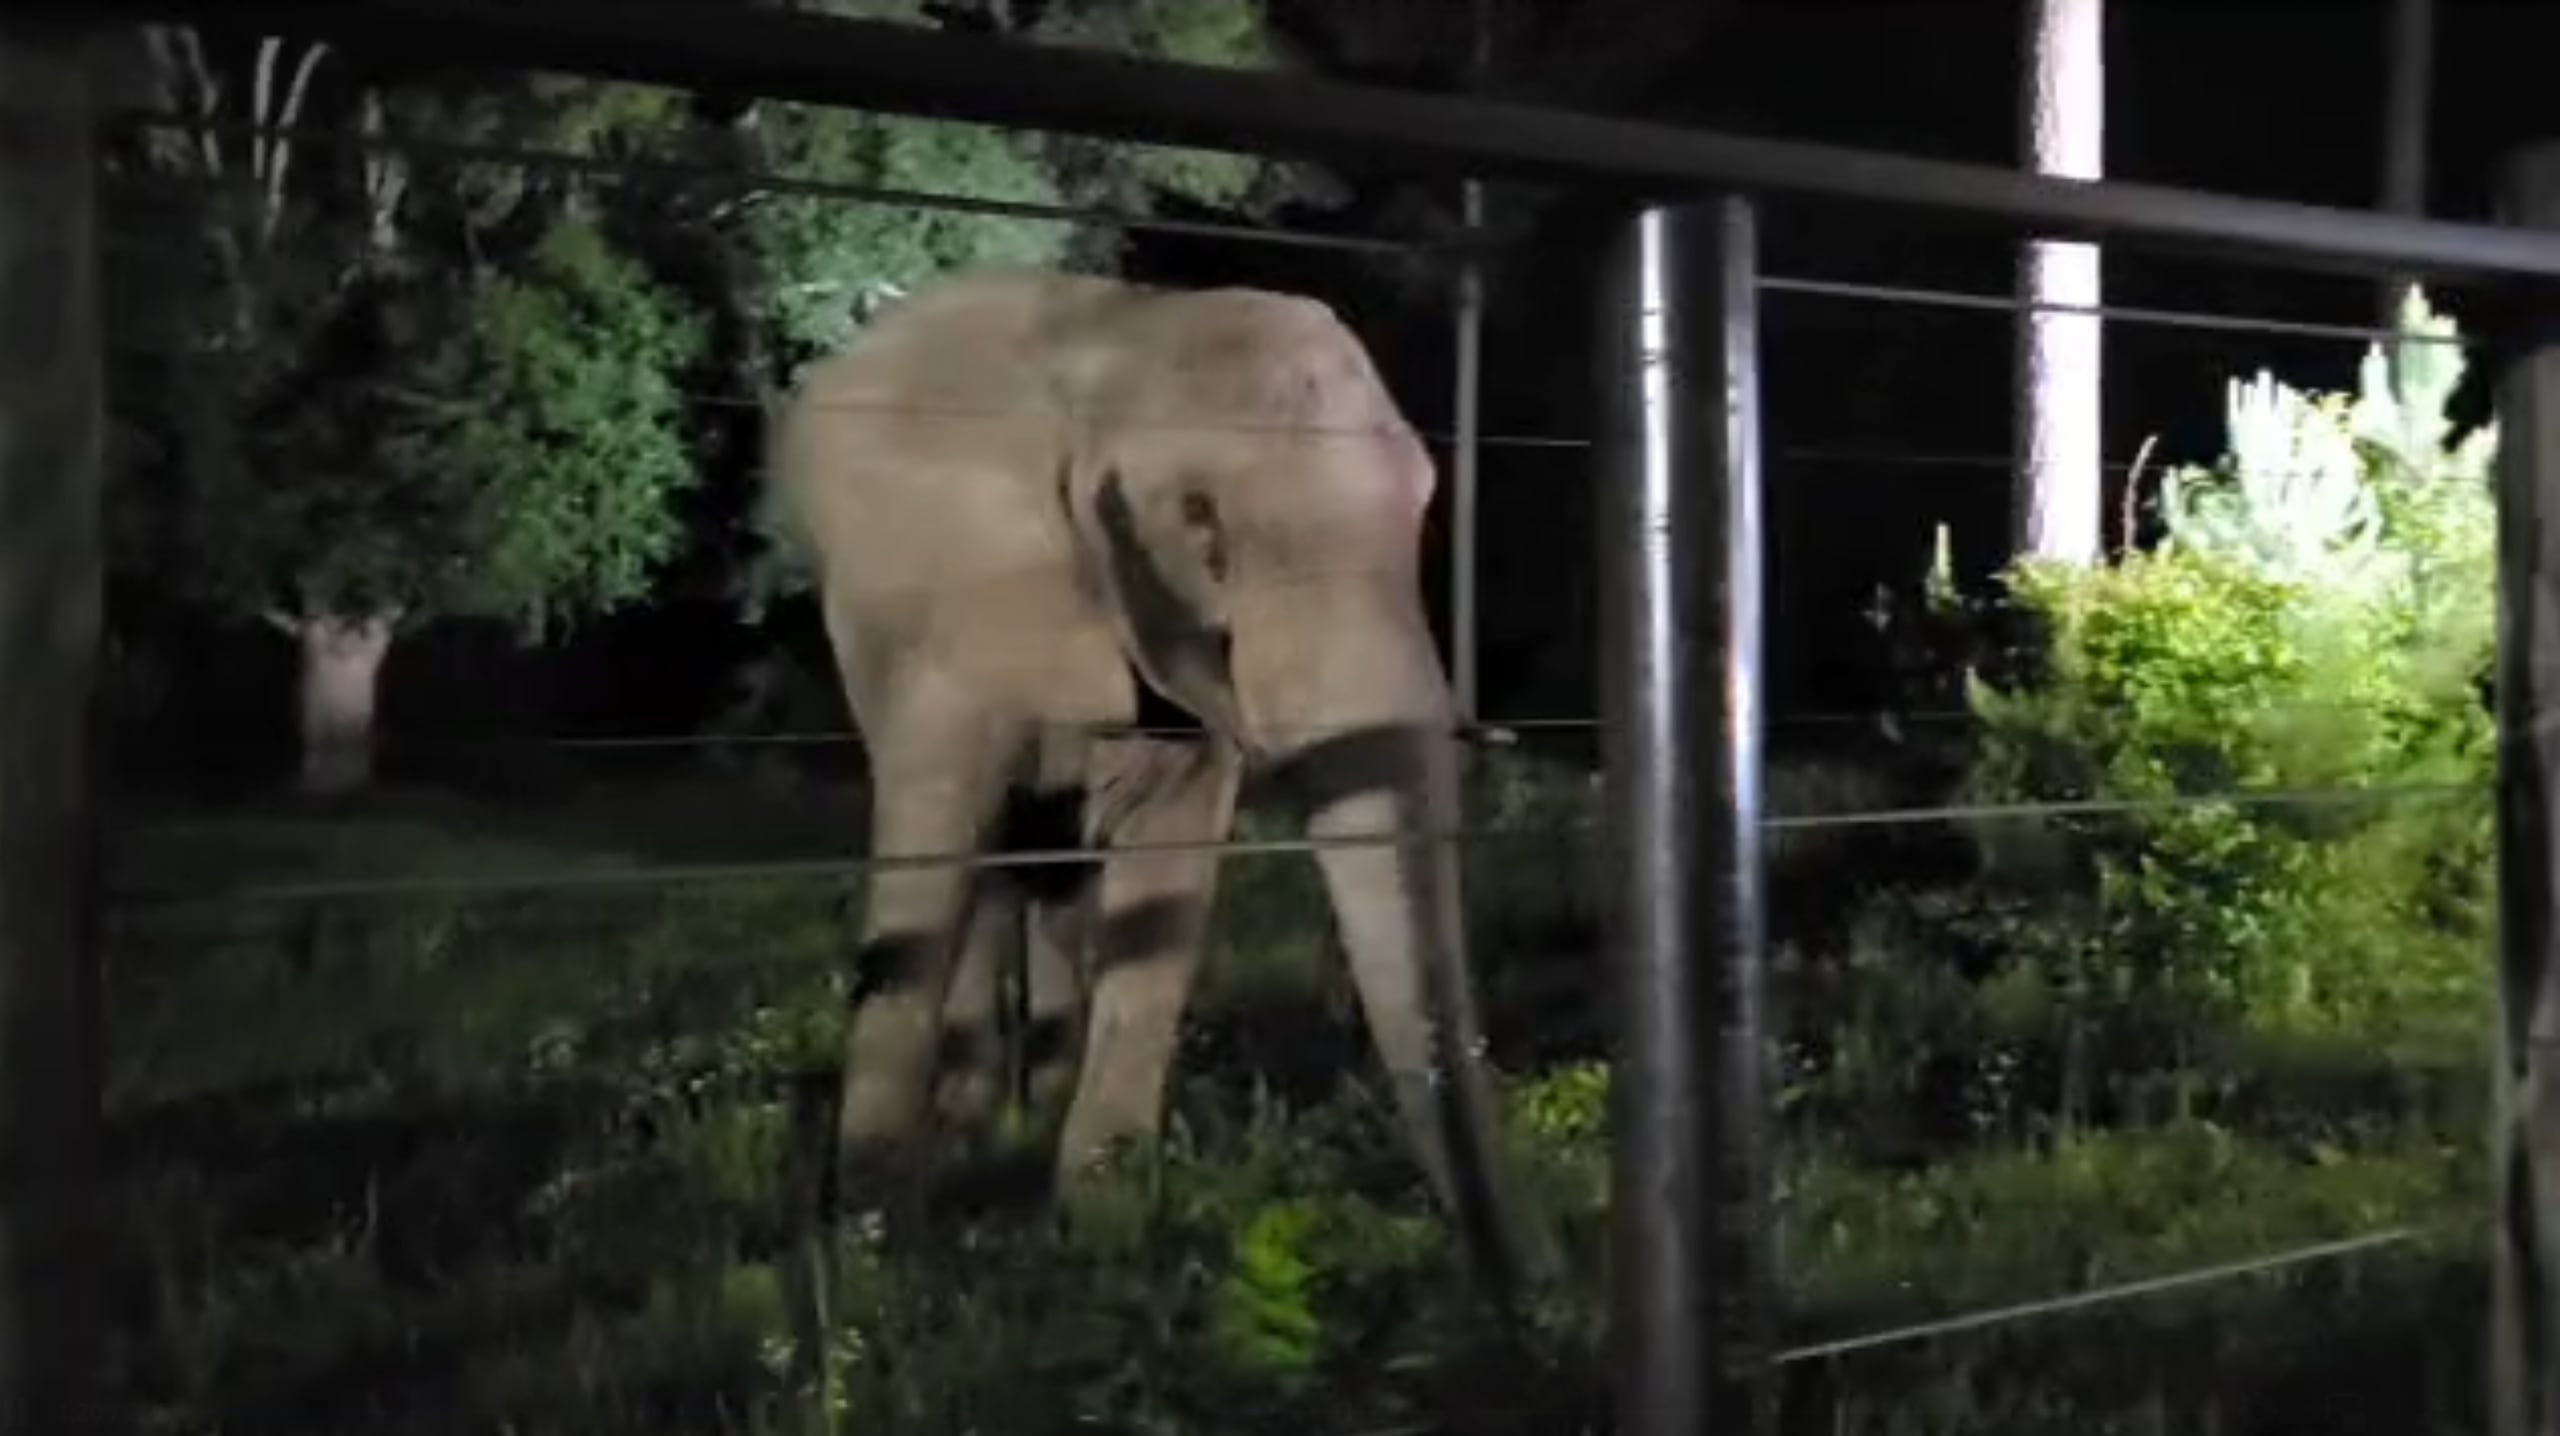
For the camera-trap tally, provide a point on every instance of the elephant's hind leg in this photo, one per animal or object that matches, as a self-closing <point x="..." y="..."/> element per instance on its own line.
<point x="970" y="1067"/>
<point x="1057" y="939"/>
<point x="1151" y="927"/>
<point x="940" y="778"/>
<point x="1014" y="1020"/>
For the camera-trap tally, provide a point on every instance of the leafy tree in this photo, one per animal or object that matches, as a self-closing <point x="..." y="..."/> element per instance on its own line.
<point x="826" y="263"/>
<point x="363" y="390"/>
<point x="544" y="422"/>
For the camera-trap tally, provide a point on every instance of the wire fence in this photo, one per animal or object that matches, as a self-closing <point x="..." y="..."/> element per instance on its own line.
<point x="2110" y="1295"/>
<point x="617" y="167"/>
<point x="2077" y="1302"/>
<point x="1495" y="730"/>
<point x="663" y="875"/>
<point x="660" y="876"/>
<point x="614" y="167"/>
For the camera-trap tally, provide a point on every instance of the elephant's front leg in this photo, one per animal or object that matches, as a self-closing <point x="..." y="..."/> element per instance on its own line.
<point x="1151" y="926"/>
<point x="937" y="789"/>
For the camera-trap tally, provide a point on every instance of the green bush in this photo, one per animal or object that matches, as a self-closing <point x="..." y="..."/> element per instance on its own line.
<point x="2313" y="629"/>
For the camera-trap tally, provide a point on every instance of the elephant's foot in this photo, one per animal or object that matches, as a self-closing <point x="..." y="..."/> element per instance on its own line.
<point x="1106" y="1125"/>
<point x="969" y="1101"/>
<point x="878" y="1194"/>
<point x="1099" y="1193"/>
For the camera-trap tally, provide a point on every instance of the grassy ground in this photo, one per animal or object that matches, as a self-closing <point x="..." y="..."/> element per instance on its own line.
<point x="508" y="1164"/>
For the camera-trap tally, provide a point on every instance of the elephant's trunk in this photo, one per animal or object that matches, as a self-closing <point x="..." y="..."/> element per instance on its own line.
<point x="1355" y="717"/>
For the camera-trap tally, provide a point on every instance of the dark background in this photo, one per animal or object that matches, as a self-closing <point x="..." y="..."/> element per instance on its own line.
<point x="2270" y="100"/>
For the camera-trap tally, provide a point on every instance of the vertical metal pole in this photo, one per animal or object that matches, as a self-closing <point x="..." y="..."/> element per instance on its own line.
<point x="1682" y="548"/>
<point x="2525" y="1330"/>
<point x="1467" y="421"/>
<point x="52" y="427"/>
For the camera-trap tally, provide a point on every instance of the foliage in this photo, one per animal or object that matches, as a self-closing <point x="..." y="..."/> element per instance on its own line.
<point x="283" y="337"/>
<point x="2317" y="619"/>
<point x="540" y="427"/>
<point x="2292" y="501"/>
<point x="827" y="264"/>
<point x="525" y="1174"/>
<point x="512" y="452"/>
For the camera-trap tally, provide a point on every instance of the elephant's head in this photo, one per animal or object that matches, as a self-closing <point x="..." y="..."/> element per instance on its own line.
<point x="1250" y="500"/>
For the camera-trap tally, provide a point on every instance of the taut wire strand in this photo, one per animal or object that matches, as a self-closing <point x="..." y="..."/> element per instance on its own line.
<point x="2132" y="314"/>
<point x="1459" y="240"/>
<point x="2099" y="1296"/>
<point x="773" y="871"/>
<point x="571" y="162"/>
<point x="1490" y="730"/>
<point x="1792" y="454"/>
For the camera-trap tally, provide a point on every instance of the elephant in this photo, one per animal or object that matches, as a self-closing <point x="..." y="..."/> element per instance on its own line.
<point x="1034" y="502"/>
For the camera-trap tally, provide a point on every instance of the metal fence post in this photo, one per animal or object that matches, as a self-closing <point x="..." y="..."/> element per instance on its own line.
<point x="2524" y="1361"/>
<point x="1682" y="550"/>
<point x="1466" y="461"/>
<point x="52" y="430"/>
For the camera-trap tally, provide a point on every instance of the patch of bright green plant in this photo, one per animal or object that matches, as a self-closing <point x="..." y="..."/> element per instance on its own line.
<point x="2318" y="617"/>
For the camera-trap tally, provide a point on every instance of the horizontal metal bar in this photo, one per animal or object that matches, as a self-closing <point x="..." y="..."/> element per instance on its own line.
<point x="2100" y="1296"/>
<point x="827" y="60"/>
<point x="568" y="162"/>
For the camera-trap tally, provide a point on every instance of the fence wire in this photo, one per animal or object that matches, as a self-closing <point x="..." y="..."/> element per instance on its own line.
<point x="2119" y="313"/>
<point x="570" y="879"/>
<point x="1445" y="438"/>
<point x="729" y="176"/>
<point x="1457" y="244"/>
<point x="2097" y="1297"/>
<point x="1492" y="732"/>
<point x="2073" y="1303"/>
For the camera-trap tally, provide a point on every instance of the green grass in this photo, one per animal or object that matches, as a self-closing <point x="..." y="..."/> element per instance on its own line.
<point x="458" y="1164"/>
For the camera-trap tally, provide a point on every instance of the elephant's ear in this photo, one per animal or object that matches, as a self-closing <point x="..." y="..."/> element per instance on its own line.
<point x="1160" y="553"/>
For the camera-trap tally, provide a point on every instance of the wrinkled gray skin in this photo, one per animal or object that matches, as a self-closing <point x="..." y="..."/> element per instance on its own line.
<point x="1026" y="494"/>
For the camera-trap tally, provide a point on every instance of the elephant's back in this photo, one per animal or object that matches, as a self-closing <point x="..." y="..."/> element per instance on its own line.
<point x="931" y="445"/>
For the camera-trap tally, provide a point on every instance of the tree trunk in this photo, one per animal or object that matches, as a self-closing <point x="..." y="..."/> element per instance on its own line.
<point x="2059" y="505"/>
<point x="2408" y="72"/>
<point x="51" y="600"/>
<point x="340" y="680"/>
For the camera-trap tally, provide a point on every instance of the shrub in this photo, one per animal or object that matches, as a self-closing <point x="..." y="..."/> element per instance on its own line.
<point x="2316" y="619"/>
<point x="2316" y="622"/>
